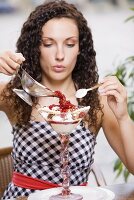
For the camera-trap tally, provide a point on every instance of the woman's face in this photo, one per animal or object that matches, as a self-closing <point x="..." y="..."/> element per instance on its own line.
<point x="59" y="48"/>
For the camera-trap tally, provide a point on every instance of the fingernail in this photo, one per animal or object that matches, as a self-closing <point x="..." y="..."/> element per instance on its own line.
<point x="101" y="90"/>
<point x="101" y="81"/>
<point x="23" y="59"/>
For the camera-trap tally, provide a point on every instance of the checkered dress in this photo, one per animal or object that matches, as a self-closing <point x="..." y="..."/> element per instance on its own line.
<point x="36" y="153"/>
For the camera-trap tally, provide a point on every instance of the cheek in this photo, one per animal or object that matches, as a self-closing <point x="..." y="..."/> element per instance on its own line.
<point x="43" y="53"/>
<point x="73" y="53"/>
<point x="73" y="56"/>
<point x="44" y="57"/>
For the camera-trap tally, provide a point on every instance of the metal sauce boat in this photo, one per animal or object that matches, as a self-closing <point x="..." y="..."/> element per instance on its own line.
<point x="31" y="88"/>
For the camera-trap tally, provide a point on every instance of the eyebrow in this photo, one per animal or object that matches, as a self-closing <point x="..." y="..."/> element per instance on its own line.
<point x="72" y="37"/>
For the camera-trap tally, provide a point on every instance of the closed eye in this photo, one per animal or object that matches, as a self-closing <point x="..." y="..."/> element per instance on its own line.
<point x="47" y="45"/>
<point x="70" y="45"/>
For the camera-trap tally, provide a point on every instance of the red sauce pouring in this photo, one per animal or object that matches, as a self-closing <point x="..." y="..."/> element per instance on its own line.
<point x="64" y="105"/>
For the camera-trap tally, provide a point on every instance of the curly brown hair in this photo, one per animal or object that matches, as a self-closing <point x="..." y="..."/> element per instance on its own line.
<point x="85" y="73"/>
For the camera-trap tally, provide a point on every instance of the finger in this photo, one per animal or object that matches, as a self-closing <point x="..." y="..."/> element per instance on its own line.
<point x="3" y="71"/>
<point x="4" y="68"/>
<point x="111" y="82"/>
<point x="117" y="87"/>
<point x="106" y="78"/>
<point x="109" y="87"/>
<point x="19" y="58"/>
<point x="11" y="63"/>
<point x="119" y="98"/>
<point x="16" y="57"/>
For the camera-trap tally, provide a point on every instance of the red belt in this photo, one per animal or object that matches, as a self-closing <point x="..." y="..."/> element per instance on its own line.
<point x="28" y="182"/>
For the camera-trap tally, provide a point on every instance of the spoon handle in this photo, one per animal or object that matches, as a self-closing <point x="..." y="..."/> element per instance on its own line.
<point x="94" y="87"/>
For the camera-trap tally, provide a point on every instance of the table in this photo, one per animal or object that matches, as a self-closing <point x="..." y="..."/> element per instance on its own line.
<point x="123" y="191"/>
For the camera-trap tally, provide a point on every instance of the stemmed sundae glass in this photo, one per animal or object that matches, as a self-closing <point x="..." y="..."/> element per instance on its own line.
<point x="63" y="123"/>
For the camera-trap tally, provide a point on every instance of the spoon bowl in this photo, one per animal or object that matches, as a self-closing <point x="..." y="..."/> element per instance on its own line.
<point x="83" y="92"/>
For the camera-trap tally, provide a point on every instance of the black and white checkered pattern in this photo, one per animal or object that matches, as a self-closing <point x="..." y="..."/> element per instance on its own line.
<point x="36" y="153"/>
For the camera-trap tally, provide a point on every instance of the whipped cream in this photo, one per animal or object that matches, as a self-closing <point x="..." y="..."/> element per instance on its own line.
<point x="56" y="115"/>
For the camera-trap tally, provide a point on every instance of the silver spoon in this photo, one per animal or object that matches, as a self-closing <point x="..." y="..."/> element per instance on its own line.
<point x="83" y="92"/>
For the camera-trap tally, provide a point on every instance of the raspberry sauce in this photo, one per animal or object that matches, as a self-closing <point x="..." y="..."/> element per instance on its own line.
<point x="64" y="105"/>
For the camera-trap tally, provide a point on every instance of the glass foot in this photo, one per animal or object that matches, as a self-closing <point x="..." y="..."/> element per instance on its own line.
<point x="69" y="197"/>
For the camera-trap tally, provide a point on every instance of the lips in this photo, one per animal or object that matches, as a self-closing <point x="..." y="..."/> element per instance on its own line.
<point x="58" y="68"/>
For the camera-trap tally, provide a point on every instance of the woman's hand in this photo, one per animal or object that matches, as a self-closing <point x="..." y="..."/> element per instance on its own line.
<point x="10" y="62"/>
<point x="116" y="96"/>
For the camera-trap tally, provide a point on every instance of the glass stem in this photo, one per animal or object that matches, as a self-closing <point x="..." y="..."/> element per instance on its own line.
<point x="65" y="167"/>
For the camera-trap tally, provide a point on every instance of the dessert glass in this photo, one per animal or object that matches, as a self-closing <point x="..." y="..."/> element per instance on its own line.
<point x="64" y="123"/>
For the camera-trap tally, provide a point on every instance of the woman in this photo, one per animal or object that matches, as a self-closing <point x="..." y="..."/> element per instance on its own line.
<point x="57" y="50"/>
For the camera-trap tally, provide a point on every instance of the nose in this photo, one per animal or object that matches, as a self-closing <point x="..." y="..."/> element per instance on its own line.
<point x="60" y="54"/>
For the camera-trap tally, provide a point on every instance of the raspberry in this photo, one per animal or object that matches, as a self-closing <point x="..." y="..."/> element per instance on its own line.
<point x="64" y="104"/>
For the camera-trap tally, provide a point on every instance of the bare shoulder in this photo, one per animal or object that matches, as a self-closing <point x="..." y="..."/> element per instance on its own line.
<point x="3" y="104"/>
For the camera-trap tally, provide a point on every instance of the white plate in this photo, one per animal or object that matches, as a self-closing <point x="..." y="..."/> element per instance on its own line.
<point x="93" y="193"/>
